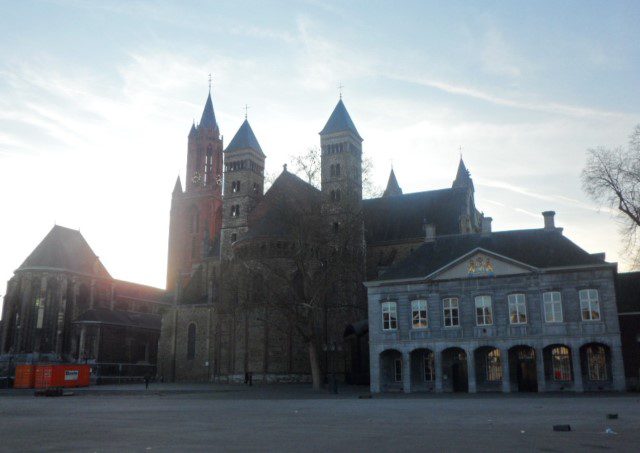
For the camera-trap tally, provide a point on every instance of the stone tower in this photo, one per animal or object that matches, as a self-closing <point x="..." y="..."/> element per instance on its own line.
<point x="243" y="185"/>
<point x="341" y="168"/>
<point x="196" y="212"/>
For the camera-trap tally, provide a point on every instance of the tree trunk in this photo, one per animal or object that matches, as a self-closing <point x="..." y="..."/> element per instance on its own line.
<point x="315" y="365"/>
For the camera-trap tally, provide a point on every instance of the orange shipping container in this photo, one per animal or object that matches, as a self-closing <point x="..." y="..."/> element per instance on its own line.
<point x="62" y="376"/>
<point x="25" y="377"/>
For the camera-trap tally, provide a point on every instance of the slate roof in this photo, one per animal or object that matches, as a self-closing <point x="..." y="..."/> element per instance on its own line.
<point x="339" y="121"/>
<point x="401" y="217"/>
<point x="628" y="292"/>
<point x="538" y="248"/>
<point x="208" y="120"/>
<point x="137" y="291"/>
<point x="121" y="318"/>
<point x="463" y="177"/>
<point x="244" y="139"/>
<point x="393" y="188"/>
<point x="287" y="194"/>
<point x="65" y="249"/>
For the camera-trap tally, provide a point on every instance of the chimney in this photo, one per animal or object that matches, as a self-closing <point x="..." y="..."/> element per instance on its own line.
<point x="429" y="231"/>
<point x="549" y="222"/>
<point x="486" y="225"/>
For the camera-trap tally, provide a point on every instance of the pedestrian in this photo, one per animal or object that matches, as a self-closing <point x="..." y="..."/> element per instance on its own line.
<point x="147" y="378"/>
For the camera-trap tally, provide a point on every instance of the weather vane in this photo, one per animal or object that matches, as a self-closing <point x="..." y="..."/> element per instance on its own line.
<point x="340" y="87"/>
<point x="246" y="111"/>
<point x="209" y="82"/>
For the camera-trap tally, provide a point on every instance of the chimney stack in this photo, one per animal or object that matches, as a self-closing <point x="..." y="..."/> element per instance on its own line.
<point x="429" y="231"/>
<point x="549" y="220"/>
<point x="486" y="225"/>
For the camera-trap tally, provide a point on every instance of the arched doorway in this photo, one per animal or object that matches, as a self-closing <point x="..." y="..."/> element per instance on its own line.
<point x="595" y="360"/>
<point x="488" y="365"/>
<point x="454" y="370"/>
<point x="390" y="370"/>
<point x="423" y="371"/>
<point x="522" y="368"/>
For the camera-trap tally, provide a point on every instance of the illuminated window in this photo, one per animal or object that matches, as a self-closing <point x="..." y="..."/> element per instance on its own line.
<point x="597" y="363"/>
<point x="517" y="309"/>
<point x="419" y="314"/>
<point x="561" y="363"/>
<point x="494" y="366"/>
<point x="40" y="311"/>
<point x="589" y="305"/>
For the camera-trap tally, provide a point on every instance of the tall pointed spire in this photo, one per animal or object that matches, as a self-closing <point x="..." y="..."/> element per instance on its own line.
<point x="393" y="188"/>
<point x="208" y="120"/>
<point x="177" y="189"/>
<point x="339" y="121"/>
<point x="463" y="177"/>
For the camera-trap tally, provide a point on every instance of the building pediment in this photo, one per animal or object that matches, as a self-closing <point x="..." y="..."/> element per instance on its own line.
<point x="480" y="263"/>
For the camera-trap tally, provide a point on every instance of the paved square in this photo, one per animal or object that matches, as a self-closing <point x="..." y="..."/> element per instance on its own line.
<point x="293" y="418"/>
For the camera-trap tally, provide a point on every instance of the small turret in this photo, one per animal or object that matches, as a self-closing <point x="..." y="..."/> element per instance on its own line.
<point x="393" y="188"/>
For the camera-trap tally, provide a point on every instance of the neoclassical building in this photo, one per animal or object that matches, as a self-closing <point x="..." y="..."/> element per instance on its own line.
<point x="506" y="311"/>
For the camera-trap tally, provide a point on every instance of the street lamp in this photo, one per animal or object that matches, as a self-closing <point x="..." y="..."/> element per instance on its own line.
<point x="333" y="348"/>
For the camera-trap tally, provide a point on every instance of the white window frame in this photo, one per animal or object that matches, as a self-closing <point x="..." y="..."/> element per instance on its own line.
<point x="549" y="300"/>
<point x="483" y="303"/>
<point x="397" y="370"/>
<point x="517" y="306"/>
<point x="419" y="315"/>
<point x="589" y="305"/>
<point x="389" y="315"/>
<point x="448" y="308"/>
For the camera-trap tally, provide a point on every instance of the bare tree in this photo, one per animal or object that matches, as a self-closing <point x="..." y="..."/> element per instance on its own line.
<point x="306" y="273"/>
<point x="612" y="177"/>
<point x="308" y="166"/>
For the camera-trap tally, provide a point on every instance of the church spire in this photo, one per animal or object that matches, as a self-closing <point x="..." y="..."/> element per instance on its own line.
<point x="340" y="121"/>
<point x="177" y="189"/>
<point x="393" y="188"/>
<point x="463" y="177"/>
<point x="208" y="120"/>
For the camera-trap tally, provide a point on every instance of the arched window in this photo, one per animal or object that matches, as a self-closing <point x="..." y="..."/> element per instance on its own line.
<point x="208" y="165"/>
<point x="191" y="342"/>
<point x="337" y="170"/>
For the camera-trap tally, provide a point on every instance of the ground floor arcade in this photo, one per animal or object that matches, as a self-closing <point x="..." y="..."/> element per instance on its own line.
<point x="527" y="367"/>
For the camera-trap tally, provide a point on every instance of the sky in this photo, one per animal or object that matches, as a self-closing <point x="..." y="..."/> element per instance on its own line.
<point x="97" y="99"/>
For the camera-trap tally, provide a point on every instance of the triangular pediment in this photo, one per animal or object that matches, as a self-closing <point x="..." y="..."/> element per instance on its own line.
<point x="480" y="263"/>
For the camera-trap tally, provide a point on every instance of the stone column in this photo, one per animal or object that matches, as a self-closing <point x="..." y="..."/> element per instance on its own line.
<point x="577" y="369"/>
<point x="506" y="376"/>
<point x="471" y="371"/>
<point x="540" y="370"/>
<point x="617" y="367"/>
<point x="406" y="372"/>
<point x="374" y="368"/>
<point x="437" y="364"/>
<point x="83" y="335"/>
<point x="62" y="309"/>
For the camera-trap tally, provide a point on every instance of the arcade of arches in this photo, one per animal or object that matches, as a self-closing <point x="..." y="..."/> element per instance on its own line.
<point x="521" y="368"/>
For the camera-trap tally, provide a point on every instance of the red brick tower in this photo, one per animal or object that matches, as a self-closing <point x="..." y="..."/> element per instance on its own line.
<point x="196" y="212"/>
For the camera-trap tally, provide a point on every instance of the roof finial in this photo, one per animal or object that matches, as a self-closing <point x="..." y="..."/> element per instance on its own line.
<point x="284" y="167"/>
<point x="460" y="150"/>
<point x="246" y="111"/>
<point x="209" y="83"/>
<point x="340" y="87"/>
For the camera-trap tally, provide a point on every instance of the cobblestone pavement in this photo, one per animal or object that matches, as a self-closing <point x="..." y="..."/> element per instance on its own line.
<point x="199" y="417"/>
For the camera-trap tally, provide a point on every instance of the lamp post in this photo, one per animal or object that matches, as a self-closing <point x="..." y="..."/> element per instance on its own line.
<point x="332" y="348"/>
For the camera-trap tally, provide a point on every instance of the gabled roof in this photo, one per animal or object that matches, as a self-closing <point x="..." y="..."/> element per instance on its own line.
<point x="208" y="120"/>
<point x="629" y="292"/>
<point x="149" y="321"/>
<point x="339" y="121"/>
<point x="244" y="139"/>
<point x="538" y="248"/>
<point x="393" y="188"/>
<point x="401" y="217"/>
<point x="288" y="195"/>
<point x="65" y="249"/>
